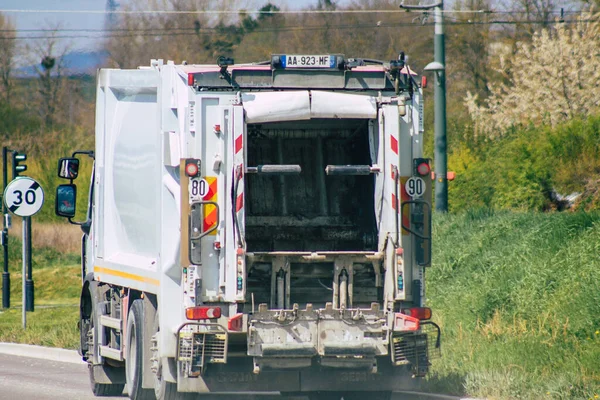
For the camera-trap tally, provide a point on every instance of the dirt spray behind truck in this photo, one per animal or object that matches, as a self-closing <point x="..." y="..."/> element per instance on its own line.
<point x="256" y="228"/>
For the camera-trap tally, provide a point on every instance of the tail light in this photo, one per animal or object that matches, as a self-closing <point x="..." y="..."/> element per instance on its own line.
<point x="423" y="169"/>
<point x="421" y="313"/>
<point x="192" y="167"/>
<point x="196" y="313"/>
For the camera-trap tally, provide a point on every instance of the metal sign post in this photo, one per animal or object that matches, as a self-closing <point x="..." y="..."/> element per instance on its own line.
<point x="24" y="197"/>
<point x="4" y="234"/>
<point x="25" y="260"/>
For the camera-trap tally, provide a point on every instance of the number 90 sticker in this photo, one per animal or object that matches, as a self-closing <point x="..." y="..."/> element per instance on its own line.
<point x="415" y="186"/>
<point x="24" y="197"/>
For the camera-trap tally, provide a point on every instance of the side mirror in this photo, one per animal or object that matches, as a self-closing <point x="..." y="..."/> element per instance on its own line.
<point x="66" y="199"/>
<point x="68" y="168"/>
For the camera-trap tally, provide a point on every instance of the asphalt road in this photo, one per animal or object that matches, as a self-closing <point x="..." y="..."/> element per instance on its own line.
<point x="37" y="373"/>
<point x="24" y="378"/>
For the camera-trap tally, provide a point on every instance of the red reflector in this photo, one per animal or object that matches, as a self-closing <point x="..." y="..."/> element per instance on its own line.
<point x="190" y="79"/>
<point x="404" y="322"/>
<point x="235" y="322"/>
<point x="418" y="312"/>
<point x="423" y="81"/>
<point x="196" y="313"/>
<point x="191" y="169"/>
<point x="423" y="169"/>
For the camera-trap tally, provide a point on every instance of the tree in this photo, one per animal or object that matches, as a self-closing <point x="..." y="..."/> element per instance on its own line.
<point x="552" y="79"/>
<point x="48" y="59"/>
<point x="468" y="46"/>
<point x="7" y="55"/>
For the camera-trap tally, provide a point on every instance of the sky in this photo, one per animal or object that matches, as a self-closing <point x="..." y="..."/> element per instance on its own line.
<point x="34" y="18"/>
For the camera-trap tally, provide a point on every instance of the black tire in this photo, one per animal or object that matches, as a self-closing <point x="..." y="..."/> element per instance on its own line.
<point x="104" y="389"/>
<point x="164" y="390"/>
<point x="135" y="357"/>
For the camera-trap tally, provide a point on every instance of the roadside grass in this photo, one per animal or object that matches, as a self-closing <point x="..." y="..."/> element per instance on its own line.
<point x="52" y="327"/>
<point x="517" y="296"/>
<point x="57" y="281"/>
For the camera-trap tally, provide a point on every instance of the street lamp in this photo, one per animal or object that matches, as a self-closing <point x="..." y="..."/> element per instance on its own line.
<point x="438" y="66"/>
<point x="440" y="148"/>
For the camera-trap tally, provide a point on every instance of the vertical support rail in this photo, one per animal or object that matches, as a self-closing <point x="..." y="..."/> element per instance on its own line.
<point x="284" y="205"/>
<point x="321" y="177"/>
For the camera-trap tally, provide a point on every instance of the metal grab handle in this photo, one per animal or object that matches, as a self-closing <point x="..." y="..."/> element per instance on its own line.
<point x="352" y="169"/>
<point x="214" y="228"/>
<point x="438" y="341"/>
<point x="275" y="169"/>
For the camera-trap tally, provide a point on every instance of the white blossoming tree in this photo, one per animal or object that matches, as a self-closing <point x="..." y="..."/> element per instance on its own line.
<point x="552" y="79"/>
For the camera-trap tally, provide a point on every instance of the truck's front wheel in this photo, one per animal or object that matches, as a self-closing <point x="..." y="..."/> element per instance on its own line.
<point x="89" y="348"/>
<point x="135" y="357"/>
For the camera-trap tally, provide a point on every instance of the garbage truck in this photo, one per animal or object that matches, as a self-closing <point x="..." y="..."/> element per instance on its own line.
<point x="255" y="228"/>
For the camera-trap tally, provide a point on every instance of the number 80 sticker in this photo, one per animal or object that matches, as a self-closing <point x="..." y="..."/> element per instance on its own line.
<point x="24" y="197"/>
<point x="415" y="187"/>
<point x="198" y="188"/>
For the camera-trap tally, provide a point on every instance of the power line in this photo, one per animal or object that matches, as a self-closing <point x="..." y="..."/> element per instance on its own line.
<point x="267" y="12"/>
<point x="192" y="31"/>
<point x="214" y="12"/>
<point x="154" y="30"/>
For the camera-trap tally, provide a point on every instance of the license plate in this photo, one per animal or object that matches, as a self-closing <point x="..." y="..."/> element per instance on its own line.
<point x="307" y="61"/>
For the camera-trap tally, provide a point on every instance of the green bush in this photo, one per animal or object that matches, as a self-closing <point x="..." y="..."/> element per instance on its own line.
<point x="520" y="170"/>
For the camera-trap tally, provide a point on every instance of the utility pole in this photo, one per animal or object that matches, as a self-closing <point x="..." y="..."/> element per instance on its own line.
<point x="439" y="67"/>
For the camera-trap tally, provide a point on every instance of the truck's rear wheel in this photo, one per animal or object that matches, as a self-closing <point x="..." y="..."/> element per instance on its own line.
<point x="135" y="358"/>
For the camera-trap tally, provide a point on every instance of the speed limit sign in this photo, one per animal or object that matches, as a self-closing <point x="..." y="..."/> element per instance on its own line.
<point x="24" y="196"/>
<point x="415" y="186"/>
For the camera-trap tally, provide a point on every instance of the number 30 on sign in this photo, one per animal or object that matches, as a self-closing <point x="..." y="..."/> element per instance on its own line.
<point x="24" y="197"/>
